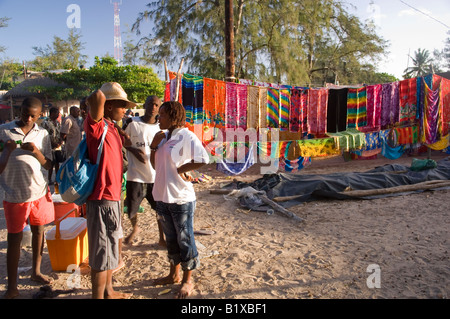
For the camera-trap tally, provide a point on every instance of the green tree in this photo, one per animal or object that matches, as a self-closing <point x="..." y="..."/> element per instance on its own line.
<point x="446" y="52"/>
<point x="422" y="64"/>
<point x="10" y="71"/>
<point x="278" y="41"/>
<point x="3" y="24"/>
<point x="61" y="54"/>
<point x="139" y="82"/>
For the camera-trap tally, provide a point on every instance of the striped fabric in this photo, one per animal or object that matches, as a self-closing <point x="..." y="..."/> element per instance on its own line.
<point x="357" y="108"/>
<point x="285" y="105"/>
<point x="273" y="108"/>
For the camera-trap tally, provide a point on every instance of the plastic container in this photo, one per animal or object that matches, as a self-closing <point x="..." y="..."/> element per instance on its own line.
<point x="67" y="242"/>
<point x="26" y="239"/>
<point x="62" y="207"/>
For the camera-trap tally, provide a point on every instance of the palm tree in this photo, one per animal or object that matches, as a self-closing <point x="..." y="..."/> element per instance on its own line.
<point x="423" y="64"/>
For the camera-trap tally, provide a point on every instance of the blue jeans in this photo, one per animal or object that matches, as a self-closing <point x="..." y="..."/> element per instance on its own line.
<point x="178" y="225"/>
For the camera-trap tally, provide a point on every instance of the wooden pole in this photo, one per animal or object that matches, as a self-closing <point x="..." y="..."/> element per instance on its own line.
<point x="177" y="94"/>
<point x="229" y="42"/>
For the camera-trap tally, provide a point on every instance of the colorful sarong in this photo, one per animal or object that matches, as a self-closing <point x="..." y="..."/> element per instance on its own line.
<point x="373" y="108"/>
<point x="318" y="147"/>
<point x="390" y="104"/>
<point x="357" y="108"/>
<point x="291" y="166"/>
<point x="285" y="106"/>
<point x="236" y="105"/>
<point x="431" y="128"/>
<point x="408" y="101"/>
<point x="263" y="107"/>
<point x="192" y="91"/>
<point x="253" y="107"/>
<point x="317" y="111"/>
<point x="273" y="107"/>
<point x="298" y="110"/>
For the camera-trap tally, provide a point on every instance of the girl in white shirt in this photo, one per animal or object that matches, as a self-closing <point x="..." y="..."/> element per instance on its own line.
<point x="173" y="153"/>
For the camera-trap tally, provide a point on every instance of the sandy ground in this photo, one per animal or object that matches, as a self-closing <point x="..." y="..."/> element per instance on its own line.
<point x="330" y="255"/>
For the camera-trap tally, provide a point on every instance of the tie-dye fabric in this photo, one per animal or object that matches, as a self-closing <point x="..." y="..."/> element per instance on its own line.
<point x="285" y="106"/>
<point x="407" y="135"/>
<point x="317" y="111"/>
<point x="374" y="100"/>
<point x="291" y="166"/>
<point x="445" y="96"/>
<point x="318" y="147"/>
<point x="273" y="107"/>
<point x="357" y="108"/>
<point x="298" y="111"/>
<point x="390" y="104"/>
<point x="431" y="128"/>
<point x="408" y="101"/>
<point x="192" y="91"/>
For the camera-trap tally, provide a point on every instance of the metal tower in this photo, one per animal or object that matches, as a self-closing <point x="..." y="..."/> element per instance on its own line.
<point x="118" y="54"/>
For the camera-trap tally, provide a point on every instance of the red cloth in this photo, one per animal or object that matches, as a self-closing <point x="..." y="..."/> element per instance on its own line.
<point x="108" y="185"/>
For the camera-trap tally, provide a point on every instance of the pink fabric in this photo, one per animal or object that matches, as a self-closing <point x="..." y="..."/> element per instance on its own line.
<point x="317" y="111"/>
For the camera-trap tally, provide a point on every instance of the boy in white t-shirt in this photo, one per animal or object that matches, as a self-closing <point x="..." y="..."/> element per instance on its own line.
<point x="140" y="174"/>
<point x="27" y="196"/>
<point x="174" y="153"/>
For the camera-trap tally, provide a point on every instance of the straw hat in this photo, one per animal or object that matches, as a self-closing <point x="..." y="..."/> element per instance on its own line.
<point x="114" y="91"/>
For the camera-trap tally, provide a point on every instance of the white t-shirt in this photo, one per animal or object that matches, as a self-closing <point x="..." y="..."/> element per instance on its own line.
<point x="141" y="135"/>
<point x="24" y="179"/>
<point x="182" y="148"/>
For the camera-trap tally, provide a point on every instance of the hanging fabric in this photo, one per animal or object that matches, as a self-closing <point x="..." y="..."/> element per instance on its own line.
<point x="374" y="100"/>
<point x="357" y="108"/>
<point x="285" y="107"/>
<point x="337" y="110"/>
<point x="298" y="110"/>
<point x="273" y="107"/>
<point x="390" y="104"/>
<point x="445" y="96"/>
<point x="291" y="166"/>
<point x="431" y="127"/>
<point x="263" y="96"/>
<point x="236" y="106"/>
<point x="388" y="151"/>
<point x="231" y="167"/>
<point x="408" y="101"/>
<point x="318" y="147"/>
<point x="192" y="92"/>
<point x="253" y="107"/>
<point x="317" y="111"/>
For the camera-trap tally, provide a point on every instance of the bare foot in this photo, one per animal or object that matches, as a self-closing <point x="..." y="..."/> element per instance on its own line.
<point x="119" y="295"/>
<point x="185" y="290"/>
<point x="39" y="278"/>
<point x="11" y="294"/>
<point x="130" y="238"/>
<point x="169" y="280"/>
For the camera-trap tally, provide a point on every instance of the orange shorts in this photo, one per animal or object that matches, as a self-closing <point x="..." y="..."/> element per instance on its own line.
<point x="40" y="212"/>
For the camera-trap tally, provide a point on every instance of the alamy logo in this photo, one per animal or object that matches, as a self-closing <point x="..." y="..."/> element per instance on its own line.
<point x="374" y="280"/>
<point x="74" y="19"/>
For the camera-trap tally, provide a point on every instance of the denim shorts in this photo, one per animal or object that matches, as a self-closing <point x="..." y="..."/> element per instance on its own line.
<point x="178" y="225"/>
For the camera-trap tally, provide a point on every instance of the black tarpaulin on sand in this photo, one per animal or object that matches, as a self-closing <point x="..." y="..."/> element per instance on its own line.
<point x="315" y="187"/>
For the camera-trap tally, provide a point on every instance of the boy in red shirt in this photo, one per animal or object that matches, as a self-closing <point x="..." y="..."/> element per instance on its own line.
<point x="103" y="206"/>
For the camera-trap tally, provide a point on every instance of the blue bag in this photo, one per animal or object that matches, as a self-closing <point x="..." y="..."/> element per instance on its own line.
<point x="76" y="176"/>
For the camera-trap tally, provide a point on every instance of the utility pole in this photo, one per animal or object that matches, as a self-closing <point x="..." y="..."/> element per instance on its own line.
<point x="229" y="39"/>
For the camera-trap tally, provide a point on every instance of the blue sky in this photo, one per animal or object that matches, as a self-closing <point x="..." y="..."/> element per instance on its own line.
<point x="35" y="23"/>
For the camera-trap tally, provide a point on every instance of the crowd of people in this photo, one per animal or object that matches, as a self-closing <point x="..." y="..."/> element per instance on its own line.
<point x="155" y="151"/>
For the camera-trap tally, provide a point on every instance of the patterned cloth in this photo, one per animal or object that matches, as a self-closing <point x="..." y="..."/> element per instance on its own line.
<point x="285" y="107"/>
<point x="273" y="107"/>
<point x="431" y="128"/>
<point x="357" y="108"/>
<point x="374" y="100"/>
<point x="291" y="166"/>
<point x="236" y="106"/>
<point x="192" y="92"/>
<point x="408" y="100"/>
<point x="317" y="111"/>
<point x="253" y="107"/>
<point x="318" y="147"/>
<point x="390" y="104"/>
<point x="298" y="111"/>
